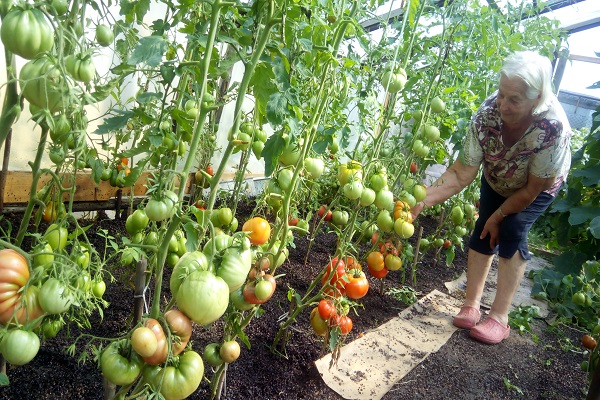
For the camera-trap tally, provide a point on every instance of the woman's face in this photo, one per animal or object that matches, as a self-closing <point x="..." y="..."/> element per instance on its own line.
<point x="515" y="108"/>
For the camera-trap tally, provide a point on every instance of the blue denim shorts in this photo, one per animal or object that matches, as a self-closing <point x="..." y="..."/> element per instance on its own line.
<point x="513" y="229"/>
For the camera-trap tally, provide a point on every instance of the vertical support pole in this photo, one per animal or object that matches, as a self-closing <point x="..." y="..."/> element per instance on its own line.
<point x="109" y="390"/>
<point x="138" y="297"/>
<point x="5" y="168"/>
<point x="594" y="388"/>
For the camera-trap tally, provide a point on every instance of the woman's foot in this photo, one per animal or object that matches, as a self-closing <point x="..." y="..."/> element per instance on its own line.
<point x="490" y="331"/>
<point x="467" y="318"/>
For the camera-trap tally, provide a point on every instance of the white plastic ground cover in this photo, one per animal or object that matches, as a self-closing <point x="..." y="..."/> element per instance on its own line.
<point x="369" y="366"/>
<point x="522" y="298"/>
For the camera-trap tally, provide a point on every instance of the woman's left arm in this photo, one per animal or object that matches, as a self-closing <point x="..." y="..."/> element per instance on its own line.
<point x="515" y="203"/>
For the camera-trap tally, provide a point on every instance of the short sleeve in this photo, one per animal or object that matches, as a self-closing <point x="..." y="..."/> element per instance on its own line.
<point x="553" y="157"/>
<point x="472" y="152"/>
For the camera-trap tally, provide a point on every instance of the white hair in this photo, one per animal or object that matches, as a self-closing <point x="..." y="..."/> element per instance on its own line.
<point x="536" y="71"/>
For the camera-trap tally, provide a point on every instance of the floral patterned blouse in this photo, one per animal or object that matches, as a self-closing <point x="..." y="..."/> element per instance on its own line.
<point x="544" y="150"/>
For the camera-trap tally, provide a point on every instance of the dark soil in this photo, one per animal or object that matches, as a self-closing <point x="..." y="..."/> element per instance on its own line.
<point x="544" y="365"/>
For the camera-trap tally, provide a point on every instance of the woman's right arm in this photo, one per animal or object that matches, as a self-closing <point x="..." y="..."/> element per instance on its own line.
<point x="453" y="181"/>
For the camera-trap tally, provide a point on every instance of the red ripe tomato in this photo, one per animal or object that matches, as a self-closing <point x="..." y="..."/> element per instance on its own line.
<point x="209" y="170"/>
<point x="326" y="309"/>
<point x="413" y="167"/>
<point x="334" y="275"/>
<point x="343" y="322"/>
<point x="447" y="243"/>
<point x="324" y="213"/>
<point x="588" y="342"/>
<point x="293" y="221"/>
<point x="259" y="230"/>
<point x="357" y="284"/>
<point x="379" y="274"/>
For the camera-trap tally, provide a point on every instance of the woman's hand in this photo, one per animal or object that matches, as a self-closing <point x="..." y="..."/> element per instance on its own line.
<point x="492" y="226"/>
<point x="416" y="210"/>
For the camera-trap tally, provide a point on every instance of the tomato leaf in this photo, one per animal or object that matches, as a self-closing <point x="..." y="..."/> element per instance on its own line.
<point x="4" y="379"/>
<point x="148" y="97"/>
<point x="273" y="148"/>
<point x="150" y="51"/>
<point x="262" y="86"/>
<point x="114" y="123"/>
<point x="191" y="235"/>
<point x="135" y="10"/>
<point x="277" y="108"/>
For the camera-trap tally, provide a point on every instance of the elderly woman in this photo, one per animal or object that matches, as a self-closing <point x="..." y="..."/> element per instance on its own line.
<point x="521" y="136"/>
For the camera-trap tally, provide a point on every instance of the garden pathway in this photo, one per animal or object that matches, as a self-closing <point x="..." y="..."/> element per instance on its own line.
<point x="368" y="367"/>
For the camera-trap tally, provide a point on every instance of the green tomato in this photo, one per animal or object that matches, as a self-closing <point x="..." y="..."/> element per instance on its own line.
<point x="98" y="288"/>
<point x="177" y="381"/>
<point x="56" y="155"/>
<point x="104" y="35"/>
<point x="353" y="190"/>
<point x="334" y="146"/>
<point x="234" y="267"/>
<point x="26" y="31"/>
<point x="60" y="6"/>
<point x="42" y="84"/>
<point x="339" y="218"/>
<point x="46" y="256"/>
<point x="469" y="210"/>
<point x="237" y="300"/>
<point x="136" y="222"/>
<point x="385" y="222"/>
<point x="18" y="346"/>
<point x="55" y="297"/>
<point x="263" y="290"/>
<point x="314" y="167"/>
<point x="203" y="297"/>
<point x="420" y="149"/>
<point x="378" y="181"/>
<point x="225" y="216"/>
<point x="120" y="365"/>
<point x="156" y="210"/>
<point x="384" y="200"/>
<point x="80" y="67"/>
<point x="302" y="227"/>
<point x="56" y="236"/>
<point x="437" y="105"/>
<point x="367" y="197"/>
<point x="284" y="178"/>
<point x="290" y="155"/>
<point x="211" y="354"/>
<point x="456" y="215"/>
<point x="188" y="263"/>
<point x="51" y="328"/>
<point x="151" y="239"/>
<point x="257" y="148"/>
<point x="432" y="133"/>
<point x="393" y="82"/>
<point x="419" y="192"/>
<point x="260" y="135"/>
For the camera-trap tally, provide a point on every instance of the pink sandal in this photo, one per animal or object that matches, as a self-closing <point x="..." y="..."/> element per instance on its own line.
<point x="490" y="331"/>
<point x="467" y="318"/>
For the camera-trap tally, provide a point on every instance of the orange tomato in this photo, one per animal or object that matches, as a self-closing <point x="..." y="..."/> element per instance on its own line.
<point x="258" y="230"/>
<point x="357" y="284"/>
<point x="375" y="261"/>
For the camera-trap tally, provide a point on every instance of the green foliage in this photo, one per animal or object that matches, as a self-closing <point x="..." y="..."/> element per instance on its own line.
<point x="404" y="294"/>
<point x="521" y="317"/>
